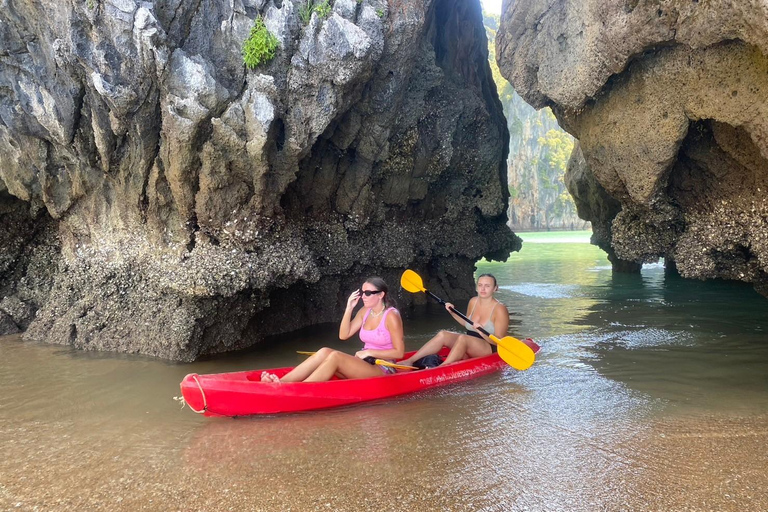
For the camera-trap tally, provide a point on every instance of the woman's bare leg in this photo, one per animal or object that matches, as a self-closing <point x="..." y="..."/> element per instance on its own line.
<point x="349" y="367"/>
<point x="433" y="346"/>
<point x="458" y="351"/>
<point x="305" y="369"/>
<point x="467" y="346"/>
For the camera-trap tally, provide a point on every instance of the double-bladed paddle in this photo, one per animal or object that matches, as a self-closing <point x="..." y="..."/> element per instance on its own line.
<point x="514" y="352"/>
<point x="382" y="362"/>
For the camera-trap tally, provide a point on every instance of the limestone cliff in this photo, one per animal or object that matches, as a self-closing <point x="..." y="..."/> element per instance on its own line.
<point x="668" y="101"/>
<point x="539" y="200"/>
<point x="157" y="197"/>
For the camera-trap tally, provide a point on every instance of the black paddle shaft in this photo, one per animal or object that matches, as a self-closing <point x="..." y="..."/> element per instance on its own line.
<point x="458" y="313"/>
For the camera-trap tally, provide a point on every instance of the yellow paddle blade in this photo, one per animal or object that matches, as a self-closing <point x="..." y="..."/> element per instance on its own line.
<point x="305" y="353"/>
<point x="393" y="365"/>
<point x="411" y="281"/>
<point x="514" y="352"/>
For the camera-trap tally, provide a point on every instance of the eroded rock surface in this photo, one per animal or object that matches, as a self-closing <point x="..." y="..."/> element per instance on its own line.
<point x="668" y="101"/>
<point x="162" y="199"/>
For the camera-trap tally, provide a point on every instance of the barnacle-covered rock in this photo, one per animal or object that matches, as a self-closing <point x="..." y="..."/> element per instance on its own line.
<point x="167" y="201"/>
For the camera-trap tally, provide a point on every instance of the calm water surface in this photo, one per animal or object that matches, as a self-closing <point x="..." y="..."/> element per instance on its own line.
<point x="650" y="393"/>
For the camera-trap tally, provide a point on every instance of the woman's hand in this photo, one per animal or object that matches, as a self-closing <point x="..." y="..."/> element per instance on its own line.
<point x="353" y="299"/>
<point x="349" y="325"/>
<point x="449" y="306"/>
<point x="362" y="354"/>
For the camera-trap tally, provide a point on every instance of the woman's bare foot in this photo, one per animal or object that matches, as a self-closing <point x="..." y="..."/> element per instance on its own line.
<point x="269" y="377"/>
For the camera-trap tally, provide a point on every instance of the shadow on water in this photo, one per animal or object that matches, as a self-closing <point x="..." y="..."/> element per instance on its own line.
<point x="695" y="343"/>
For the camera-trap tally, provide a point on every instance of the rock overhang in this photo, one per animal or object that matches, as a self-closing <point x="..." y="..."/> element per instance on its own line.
<point x="668" y="102"/>
<point x="187" y="199"/>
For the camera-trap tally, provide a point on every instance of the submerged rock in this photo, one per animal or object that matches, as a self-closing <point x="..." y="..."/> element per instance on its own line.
<point x="668" y="101"/>
<point x="162" y="199"/>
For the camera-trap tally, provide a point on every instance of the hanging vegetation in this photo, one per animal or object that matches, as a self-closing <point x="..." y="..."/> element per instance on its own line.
<point x="260" y="46"/>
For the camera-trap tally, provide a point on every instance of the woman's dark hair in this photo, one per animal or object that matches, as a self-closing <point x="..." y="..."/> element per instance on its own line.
<point x="380" y="284"/>
<point x="488" y="275"/>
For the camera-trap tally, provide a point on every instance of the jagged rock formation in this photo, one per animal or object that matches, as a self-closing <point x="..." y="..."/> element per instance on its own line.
<point x="158" y="198"/>
<point x="595" y="204"/>
<point x="668" y="101"/>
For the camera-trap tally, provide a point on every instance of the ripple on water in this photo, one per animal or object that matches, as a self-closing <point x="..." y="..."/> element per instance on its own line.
<point x="588" y="344"/>
<point x="640" y="338"/>
<point x="546" y="290"/>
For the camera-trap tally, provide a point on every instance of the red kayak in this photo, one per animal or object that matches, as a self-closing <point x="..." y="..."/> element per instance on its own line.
<point x="243" y="393"/>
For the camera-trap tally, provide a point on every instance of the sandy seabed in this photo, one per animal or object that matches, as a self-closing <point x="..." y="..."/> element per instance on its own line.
<point x="352" y="460"/>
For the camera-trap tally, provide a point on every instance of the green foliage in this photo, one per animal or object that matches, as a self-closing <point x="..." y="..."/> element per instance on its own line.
<point x="305" y="11"/>
<point x="556" y="148"/>
<point x="260" y="46"/>
<point x="491" y="21"/>
<point x="380" y="13"/>
<point x="91" y="5"/>
<point x="539" y="152"/>
<point x="503" y="88"/>
<point x="323" y="9"/>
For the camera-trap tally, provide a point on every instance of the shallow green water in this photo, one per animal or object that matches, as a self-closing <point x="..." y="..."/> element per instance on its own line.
<point x="650" y="393"/>
<point x="694" y="343"/>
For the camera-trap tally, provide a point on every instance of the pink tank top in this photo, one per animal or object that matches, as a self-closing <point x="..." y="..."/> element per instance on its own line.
<point x="378" y="338"/>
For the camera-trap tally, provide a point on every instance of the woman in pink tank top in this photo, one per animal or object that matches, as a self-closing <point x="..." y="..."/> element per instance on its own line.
<point x="381" y="331"/>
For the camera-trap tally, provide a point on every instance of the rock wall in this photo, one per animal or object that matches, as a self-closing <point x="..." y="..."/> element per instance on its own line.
<point x="162" y="199"/>
<point x="668" y="101"/>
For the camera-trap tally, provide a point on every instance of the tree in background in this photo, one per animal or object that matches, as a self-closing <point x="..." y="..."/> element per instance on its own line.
<point x="538" y="156"/>
<point x="555" y="202"/>
<point x="503" y="87"/>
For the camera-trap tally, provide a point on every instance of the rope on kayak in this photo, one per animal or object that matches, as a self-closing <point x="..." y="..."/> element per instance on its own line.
<point x="183" y="402"/>
<point x="205" y="402"/>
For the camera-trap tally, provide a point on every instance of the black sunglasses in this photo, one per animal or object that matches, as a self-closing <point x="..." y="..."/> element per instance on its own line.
<point x="368" y="293"/>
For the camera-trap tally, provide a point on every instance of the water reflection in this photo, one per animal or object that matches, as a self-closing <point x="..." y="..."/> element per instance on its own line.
<point x="362" y="452"/>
